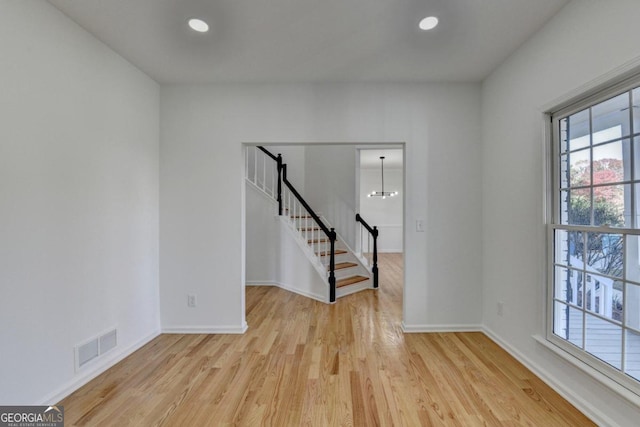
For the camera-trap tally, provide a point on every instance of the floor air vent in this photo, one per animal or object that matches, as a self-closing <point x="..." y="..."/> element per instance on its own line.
<point x="95" y="347"/>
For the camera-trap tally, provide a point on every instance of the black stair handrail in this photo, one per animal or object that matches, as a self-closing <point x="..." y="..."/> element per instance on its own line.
<point x="310" y="211"/>
<point x="374" y="232"/>
<point x="268" y="153"/>
<point x="278" y="160"/>
<point x="330" y="233"/>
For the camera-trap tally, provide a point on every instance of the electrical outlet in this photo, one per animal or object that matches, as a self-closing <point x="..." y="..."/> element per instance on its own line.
<point x="191" y="300"/>
<point x="420" y="225"/>
<point x="500" y="308"/>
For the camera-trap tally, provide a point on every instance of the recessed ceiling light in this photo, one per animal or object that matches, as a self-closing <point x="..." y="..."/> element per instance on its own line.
<point x="198" y="25"/>
<point x="428" y="23"/>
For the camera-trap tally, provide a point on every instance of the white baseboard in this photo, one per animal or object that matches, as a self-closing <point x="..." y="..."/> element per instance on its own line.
<point x="91" y="372"/>
<point x="206" y="329"/>
<point x="321" y="298"/>
<point x="317" y="297"/>
<point x="260" y="283"/>
<point x="410" y="329"/>
<point x="597" y="416"/>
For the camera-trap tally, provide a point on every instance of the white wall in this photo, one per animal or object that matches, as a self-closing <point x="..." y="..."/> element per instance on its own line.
<point x="274" y="252"/>
<point x="202" y="234"/>
<point x="586" y="40"/>
<point x="330" y="177"/>
<point x="386" y="213"/>
<point x="78" y="201"/>
<point x="262" y="237"/>
<point x="294" y="157"/>
<point x="263" y="230"/>
<point x="295" y="272"/>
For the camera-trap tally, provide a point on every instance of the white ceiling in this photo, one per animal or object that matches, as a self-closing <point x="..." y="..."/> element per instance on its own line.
<point x="312" y="40"/>
<point x="370" y="158"/>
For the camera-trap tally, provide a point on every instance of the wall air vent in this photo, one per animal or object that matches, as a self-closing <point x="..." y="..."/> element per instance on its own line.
<point x="94" y="348"/>
<point x="86" y="353"/>
<point x="107" y="341"/>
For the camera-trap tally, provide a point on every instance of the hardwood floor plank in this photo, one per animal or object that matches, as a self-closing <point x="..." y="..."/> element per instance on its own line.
<point x="305" y="363"/>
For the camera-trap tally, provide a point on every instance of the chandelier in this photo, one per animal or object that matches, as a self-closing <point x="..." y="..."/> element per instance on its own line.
<point x="382" y="193"/>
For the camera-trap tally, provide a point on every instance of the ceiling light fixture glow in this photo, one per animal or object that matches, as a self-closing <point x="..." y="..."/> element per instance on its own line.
<point x="198" y="25"/>
<point x="428" y="23"/>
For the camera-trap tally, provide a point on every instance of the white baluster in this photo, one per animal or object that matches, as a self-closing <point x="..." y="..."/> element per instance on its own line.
<point x="273" y="181"/>
<point x="264" y="172"/>
<point x="255" y="166"/>
<point x="246" y="163"/>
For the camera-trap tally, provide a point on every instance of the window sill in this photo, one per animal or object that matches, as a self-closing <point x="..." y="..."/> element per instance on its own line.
<point x="614" y="386"/>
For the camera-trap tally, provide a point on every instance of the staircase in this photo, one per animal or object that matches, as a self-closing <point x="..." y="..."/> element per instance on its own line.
<point x="343" y="271"/>
<point x="350" y="273"/>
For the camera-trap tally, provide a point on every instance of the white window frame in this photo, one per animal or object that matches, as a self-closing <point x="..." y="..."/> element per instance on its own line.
<point x="552" y="190"/>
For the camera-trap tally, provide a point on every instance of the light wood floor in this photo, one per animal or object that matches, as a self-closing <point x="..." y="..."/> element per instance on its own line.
<point x="307" y="363"/>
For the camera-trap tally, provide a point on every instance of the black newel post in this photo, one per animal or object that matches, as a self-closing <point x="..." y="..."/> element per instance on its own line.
<point x="332" y="267"/>
<point x="375" y="256"/>
<point x="279" y="161"/>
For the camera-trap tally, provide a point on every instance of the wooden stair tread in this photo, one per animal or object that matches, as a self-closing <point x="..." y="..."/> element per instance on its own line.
<point x="350" y="281"/>
<point x="343" y="265"/>
<point x="337" y="252"/>
<point x="317" y="241"/>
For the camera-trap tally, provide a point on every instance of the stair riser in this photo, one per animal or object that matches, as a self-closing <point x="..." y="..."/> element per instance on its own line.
<point x="340" y="258"/>
<point x="321" y="245"/>
<point x="353" y="270"/>
<point x="348" y="272"/>
<point x="323" y="252"/>
<point x="315" y="232"/>
<point x="302" y="222"/>
<point x="351" y="289"/>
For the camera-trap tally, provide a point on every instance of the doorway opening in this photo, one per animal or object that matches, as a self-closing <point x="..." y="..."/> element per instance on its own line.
<point x="331" y="179"/>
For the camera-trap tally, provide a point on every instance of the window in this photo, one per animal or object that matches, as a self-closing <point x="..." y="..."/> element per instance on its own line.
<point x="594" y="286"/>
